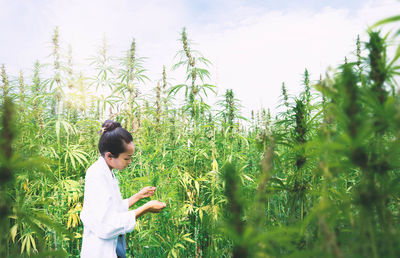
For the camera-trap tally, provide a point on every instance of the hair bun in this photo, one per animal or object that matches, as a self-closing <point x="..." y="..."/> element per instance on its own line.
<point x="109" y="125"/>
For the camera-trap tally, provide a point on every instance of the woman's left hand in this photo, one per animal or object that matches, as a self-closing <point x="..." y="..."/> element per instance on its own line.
<point x="147" y="191"/>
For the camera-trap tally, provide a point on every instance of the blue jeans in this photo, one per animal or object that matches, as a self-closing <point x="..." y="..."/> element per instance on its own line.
<point x="121" y="246"/>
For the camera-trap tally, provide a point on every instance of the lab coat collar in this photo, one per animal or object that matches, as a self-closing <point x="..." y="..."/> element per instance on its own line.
<point x="106" y="168"/>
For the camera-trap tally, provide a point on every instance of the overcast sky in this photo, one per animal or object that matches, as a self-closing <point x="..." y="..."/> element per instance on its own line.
<point x="254" y="45"/>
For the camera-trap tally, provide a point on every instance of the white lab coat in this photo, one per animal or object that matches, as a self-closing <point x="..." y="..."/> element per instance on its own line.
<point x="105" y="215"/>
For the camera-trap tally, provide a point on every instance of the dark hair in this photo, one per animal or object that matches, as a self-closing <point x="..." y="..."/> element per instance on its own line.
<point x="113" y="138"/>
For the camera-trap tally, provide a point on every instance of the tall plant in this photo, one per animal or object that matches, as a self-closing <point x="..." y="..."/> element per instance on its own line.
<point x="195" y="92"/>
<point x="131" y="75"/>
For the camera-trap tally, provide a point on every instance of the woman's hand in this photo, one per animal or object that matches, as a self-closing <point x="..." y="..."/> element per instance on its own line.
<point x="155" y="206"/>
<point x="146" y="192"/>
<point x="151" y="206"/>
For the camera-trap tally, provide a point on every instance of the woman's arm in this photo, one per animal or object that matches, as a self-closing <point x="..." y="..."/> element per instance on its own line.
<point x="151" y="206"/>
<point x="133" y="199"/>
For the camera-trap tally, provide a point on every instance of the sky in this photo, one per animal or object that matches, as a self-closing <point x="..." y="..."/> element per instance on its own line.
<point x="254" y="45"/>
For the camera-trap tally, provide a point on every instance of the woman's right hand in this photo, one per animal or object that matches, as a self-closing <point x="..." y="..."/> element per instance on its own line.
<point x="155" y="206"/>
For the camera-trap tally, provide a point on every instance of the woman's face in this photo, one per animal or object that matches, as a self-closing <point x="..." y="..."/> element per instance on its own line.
<point x="124" y="159"/>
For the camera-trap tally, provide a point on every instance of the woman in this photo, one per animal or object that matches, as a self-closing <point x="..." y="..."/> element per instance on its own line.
<point x="105" y="215"/>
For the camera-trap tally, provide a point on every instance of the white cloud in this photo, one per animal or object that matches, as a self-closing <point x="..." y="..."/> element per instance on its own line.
<point x="253" y="49"/>
<point x="261" y="51"/>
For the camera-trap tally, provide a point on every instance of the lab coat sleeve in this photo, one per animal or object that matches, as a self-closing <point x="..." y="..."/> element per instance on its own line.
<point x="126" y="203"/>
<point x="99" y="216"/>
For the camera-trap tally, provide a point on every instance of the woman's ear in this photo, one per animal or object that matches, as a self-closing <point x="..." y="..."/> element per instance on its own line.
<point x="108" y="156"/>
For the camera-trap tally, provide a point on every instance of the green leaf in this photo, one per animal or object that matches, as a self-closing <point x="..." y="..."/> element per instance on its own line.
<point x="395" y="18"/>
<point x="13" y="232"/>
<point x="173" y="253"/>
<point x="23" y="244"/>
